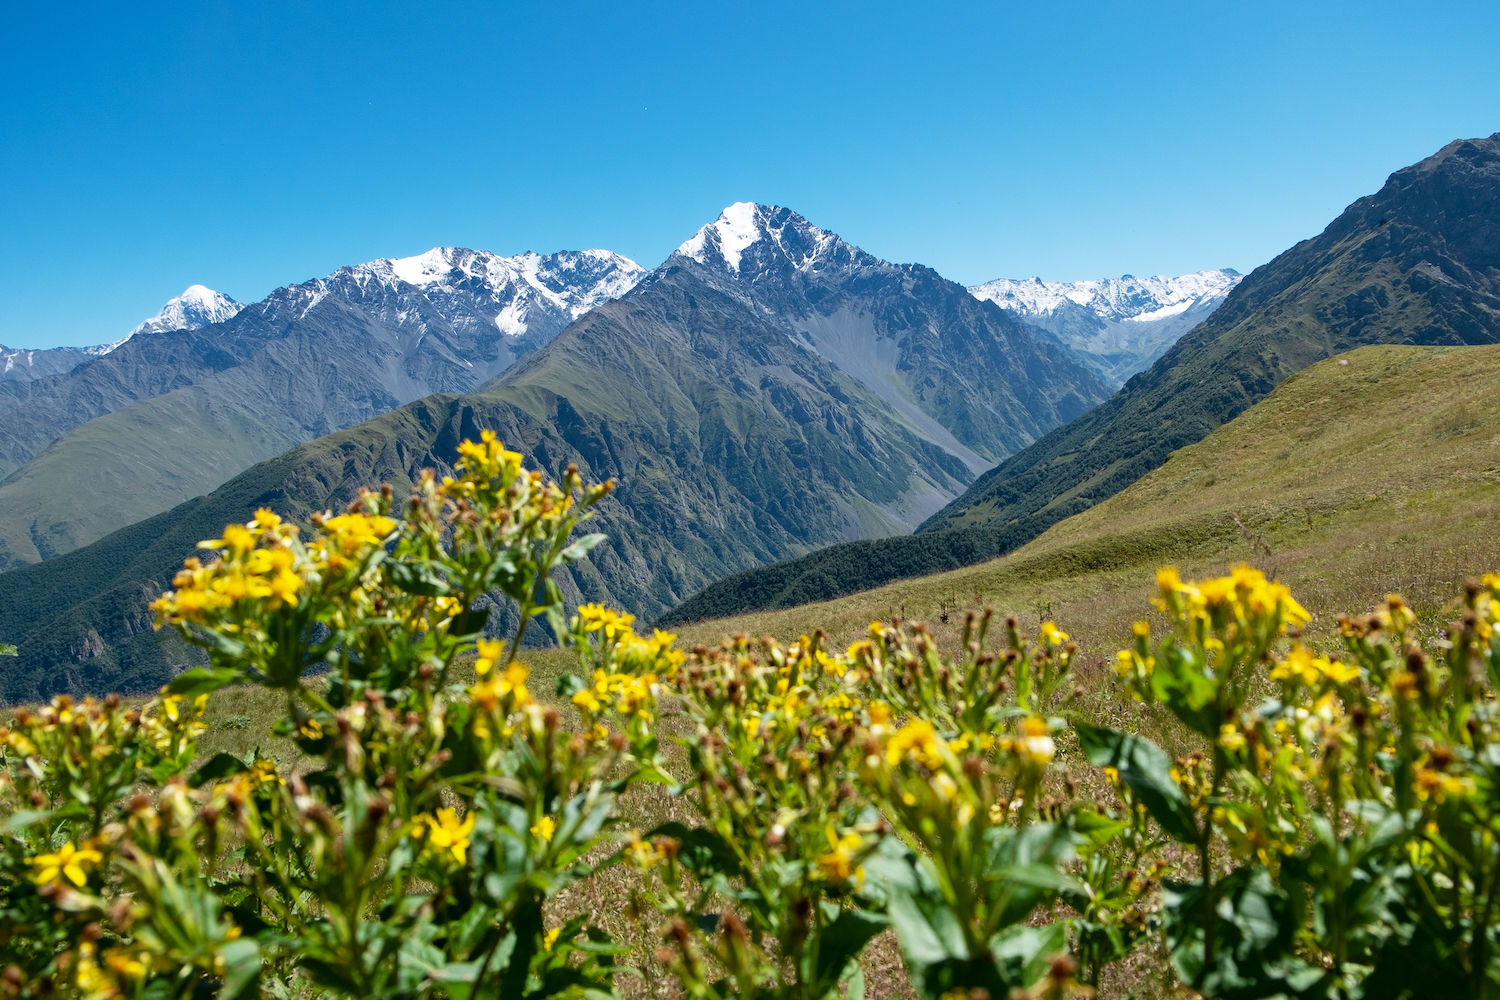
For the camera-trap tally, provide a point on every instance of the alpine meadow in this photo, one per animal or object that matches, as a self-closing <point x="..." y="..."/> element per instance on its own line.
<point x="750" y="610"/>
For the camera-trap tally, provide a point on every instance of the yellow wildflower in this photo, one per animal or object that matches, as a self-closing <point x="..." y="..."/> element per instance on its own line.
<point x="69" y="863"/>
<point x="838" y="864"/>
<point x="544" y="829"/>
<point x="643" y="854"/>
<point x="490" y="651"/>
<point x="1036" y="742"/>
<point x="1230" y="737"/>
<point x="445" y="831"/>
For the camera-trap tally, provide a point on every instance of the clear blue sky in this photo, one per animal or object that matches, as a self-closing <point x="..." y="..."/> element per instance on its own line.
<point x="247" y="145"/>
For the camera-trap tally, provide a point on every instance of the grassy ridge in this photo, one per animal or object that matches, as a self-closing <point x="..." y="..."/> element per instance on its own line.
<point x="1369" y="473"/>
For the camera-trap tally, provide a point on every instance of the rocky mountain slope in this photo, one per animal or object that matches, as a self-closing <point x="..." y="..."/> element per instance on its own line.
<point x="1418" y="262"/>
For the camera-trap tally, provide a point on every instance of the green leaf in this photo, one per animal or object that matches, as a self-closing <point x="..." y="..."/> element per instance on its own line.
<point x="1095" y="827"/>
<point x="843" y="940"/>
<point x="1024" y="953"/>
<point x="416" y="578"/>
<point x="1255" y="932"/>
<point x="203" y="680"/>
<point x="926" y="927"/>
<point x="703" y="851"/>
<point x="241" y="968"/>
<point x="1147" y="769"/>
<point x="469" y="622"/>
<point x="1181" y="682"/>
<point x="19" y="821"/>
<point x="220" y="766"/>
<point x="581" y="547"/>
<point x="458" y="979"/>
<point x="6" y="649"/>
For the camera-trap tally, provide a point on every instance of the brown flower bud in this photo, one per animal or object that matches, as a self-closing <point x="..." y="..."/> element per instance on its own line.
<point x="734" y="928"/>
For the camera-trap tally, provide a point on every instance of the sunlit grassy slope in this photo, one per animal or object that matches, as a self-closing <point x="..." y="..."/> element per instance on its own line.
<point x="1371" y="472"/>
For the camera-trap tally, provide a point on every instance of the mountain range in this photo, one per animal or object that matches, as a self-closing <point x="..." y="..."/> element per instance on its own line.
<point x="1117" y="326"/>
<point x="768" y="389"/>
<point x="1418" y="262"/>
<point x="165" y="417"/>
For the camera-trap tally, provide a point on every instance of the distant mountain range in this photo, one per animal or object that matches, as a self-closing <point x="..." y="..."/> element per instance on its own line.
<point x="1418" y="262"/>
<point x="1118" y="326"/>
<point x="768" y="389"/>
<point x="160" y="418"/>
<point x="196" y="307"/>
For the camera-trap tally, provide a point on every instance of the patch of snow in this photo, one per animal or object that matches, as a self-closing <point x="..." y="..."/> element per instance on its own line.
<point x="423" y="269"/>
<point x="512" y="319"/>
<point x="1175" y="309"/>
<point x="738" y="229"/>
<point x="745" y="223"/>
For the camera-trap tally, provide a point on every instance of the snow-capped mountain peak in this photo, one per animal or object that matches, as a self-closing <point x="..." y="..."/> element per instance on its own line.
<point x="765" y="232"/>
<point x="1126" y="298"/>
<point x="197" y="306"/>
<point x="569" y="283"/>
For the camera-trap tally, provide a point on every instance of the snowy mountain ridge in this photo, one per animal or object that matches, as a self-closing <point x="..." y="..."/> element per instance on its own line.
<point x="569" y="282"/>
<point x="1119" y="299"/>
<point x="1119" y="326"/>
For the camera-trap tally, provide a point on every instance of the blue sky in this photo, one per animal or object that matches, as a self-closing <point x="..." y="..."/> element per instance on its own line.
<point x="247" y="145"/>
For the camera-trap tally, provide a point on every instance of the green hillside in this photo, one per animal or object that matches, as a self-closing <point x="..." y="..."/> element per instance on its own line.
<point x="1376" y="471"/>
